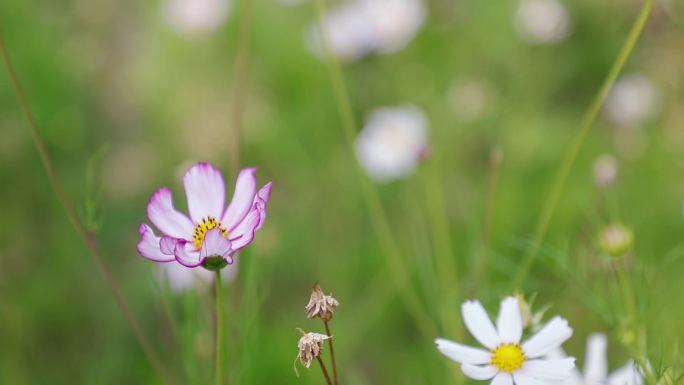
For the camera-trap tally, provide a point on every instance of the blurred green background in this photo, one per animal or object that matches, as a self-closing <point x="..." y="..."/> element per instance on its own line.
<point x="115" y="88"/>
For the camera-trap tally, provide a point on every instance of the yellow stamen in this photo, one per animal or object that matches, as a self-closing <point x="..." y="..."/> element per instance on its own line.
<point x="508" y="357"/>
<point x="202" y="228"/>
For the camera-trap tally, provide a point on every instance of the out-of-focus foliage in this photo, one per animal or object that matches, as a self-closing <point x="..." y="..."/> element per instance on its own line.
<point x="116" y="75"/>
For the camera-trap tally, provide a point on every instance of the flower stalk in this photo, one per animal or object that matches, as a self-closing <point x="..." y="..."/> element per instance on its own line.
<point x="325" y="371"/>
<point x="332" y="352"/>
<point x="219" y="329"/>
<point x="88" y="236"/>
<point x="573" y="150"/>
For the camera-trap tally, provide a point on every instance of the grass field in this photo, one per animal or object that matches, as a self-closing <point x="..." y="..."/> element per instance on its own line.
<point x="502" y="198"/>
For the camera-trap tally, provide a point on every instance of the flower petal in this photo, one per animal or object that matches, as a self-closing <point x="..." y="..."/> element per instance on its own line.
<point x="509" y="323"/>
<point x="551" y="336"/>
<point x="169" y="221"/>
<point x="243" y="198"/>
<point x="478" y="323"/>
<point x="552" y="370"/>
<point x="462" y="353"/>
<point x="479" y="372"/>
<point x="626" y="375"/>
<point x="595" y="361"/>
<point x="167" y="244"/>
<point x="205" y="190"/>
<point x="522" y="377"/>
<point x="148" y="246"/>
<point x="216" y="244"/>
<point x="245" y="232"/>
<point x="503" y="378"/>
<point x="262" y="198"/>
<point x="187" y="258"/>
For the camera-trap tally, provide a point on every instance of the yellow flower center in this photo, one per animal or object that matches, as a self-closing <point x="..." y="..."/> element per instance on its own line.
<point x="202" y="228"/>
<point x="508" y="357"/>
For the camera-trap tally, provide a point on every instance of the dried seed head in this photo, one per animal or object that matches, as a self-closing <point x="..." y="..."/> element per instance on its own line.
<point x="310" y="346"/>
<point x="321" y="305"/>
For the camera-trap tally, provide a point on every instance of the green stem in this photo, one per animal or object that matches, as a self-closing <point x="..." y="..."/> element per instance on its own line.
<point x="573" y="150"/>
<point x="219" y="329"/>
<point x="88" y="236"/>
<point x="239" y="78"/>
<point x="371" y="196"/>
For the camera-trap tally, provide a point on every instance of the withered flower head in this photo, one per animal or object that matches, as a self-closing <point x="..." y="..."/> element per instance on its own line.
<point x="321" y="305"/>
<point x="310" y="347"/>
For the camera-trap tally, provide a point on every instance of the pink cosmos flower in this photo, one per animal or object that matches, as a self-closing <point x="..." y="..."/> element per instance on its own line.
<point x="212" y="232"/>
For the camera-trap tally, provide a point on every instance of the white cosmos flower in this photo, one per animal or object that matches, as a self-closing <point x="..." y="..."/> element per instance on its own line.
<point x="542" y="21"/>
<point x="506" y="360"/>
<point x="196" y="18"/>
<point x="393" y="140"/>
<point x="596" y="366"/>
<point x="359" y="27"/>
<point x="633" y="100"/>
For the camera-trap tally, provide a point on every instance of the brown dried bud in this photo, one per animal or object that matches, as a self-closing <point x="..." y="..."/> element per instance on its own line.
<point x="310" y="346"/>
<point x="321" y="305"/>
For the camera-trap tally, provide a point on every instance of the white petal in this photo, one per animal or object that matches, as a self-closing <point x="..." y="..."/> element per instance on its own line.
<point x="550" y="369"/>
<point x="169" y="221"/>
<point x="462" y="353"/>
<point x="522" y="377"/>
<point x="626" y="375"/>
<point x="243" y="198"/>
<point x="550" y="337"/>
<point x="595" y="361"/>
<point x="187" y="258"/>
<point x="215" y="244"/>
<point x="205" y="190"/>
<point x="478" y="323"/>
<point x="503" y="378"/>
<point x="148" y="246"/>
<point x="509" y="323"/>
<point x="479" y="372"/>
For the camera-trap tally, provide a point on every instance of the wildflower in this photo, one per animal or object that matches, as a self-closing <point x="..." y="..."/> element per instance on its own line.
<point x="392" y="142"/>
<point x="595" y="371"/>
<point x="196" y="18"/>
<point x="542" y="21"/>
<point x="310" y="346"/>
<point x="393" y="23"/>
<point x="321" y="305"/>
<point x="211" y="234"/>
<point x="506" y="360"/>
<point x="632" y="101"/>
<point x="360" y="27"/>
<point x="616" y="240"/>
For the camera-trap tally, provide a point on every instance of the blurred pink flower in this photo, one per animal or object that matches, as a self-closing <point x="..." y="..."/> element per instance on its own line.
<point x="212" y="233"/>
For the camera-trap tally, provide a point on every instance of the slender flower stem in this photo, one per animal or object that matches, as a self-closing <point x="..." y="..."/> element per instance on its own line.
<point x="239" y="79"/>
<point x="573" y="150"/>
<point x="219" y="329"/>
<point x="371" y="196"/>
<point x="332" y="351"/>
<point x="87" y="235"/>
<point x="325" y="371"/>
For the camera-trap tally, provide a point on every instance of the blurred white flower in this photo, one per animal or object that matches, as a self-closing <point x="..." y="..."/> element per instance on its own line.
<point x="605" y="170"/>
<point x="596" y="366"/>
<point x="181" y="279"/>
<point x="360" y="27"/>
<point x="632" y="101"/>
<point x="542" y="21"/>
<point x="196" y="18"/>
<point x="393" y="23"/>
<point x="347" y="34"/>
<point x="393" y="140"/>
